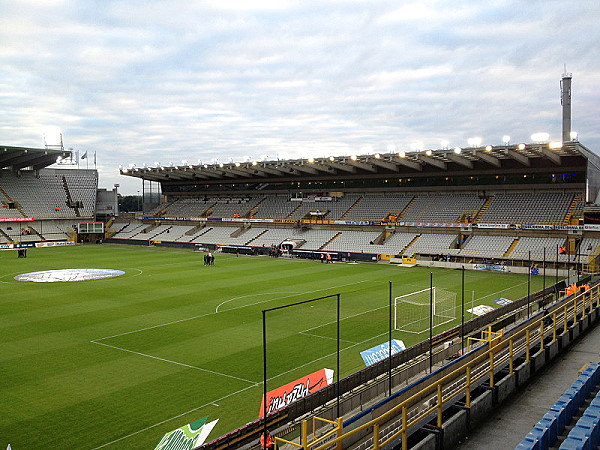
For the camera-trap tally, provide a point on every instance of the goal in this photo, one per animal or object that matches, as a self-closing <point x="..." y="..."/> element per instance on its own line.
<point x="411" y="311"/>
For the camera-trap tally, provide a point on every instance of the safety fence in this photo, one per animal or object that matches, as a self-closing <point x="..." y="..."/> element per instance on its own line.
<point x="425" y="402"/>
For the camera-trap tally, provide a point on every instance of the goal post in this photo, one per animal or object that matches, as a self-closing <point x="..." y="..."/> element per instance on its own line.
<point x="411" y="311"/>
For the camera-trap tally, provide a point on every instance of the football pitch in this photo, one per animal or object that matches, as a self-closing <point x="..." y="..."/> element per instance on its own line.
<point x="117" y="362"/>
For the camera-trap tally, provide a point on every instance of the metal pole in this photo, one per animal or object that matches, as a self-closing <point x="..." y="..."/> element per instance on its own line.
<point x="556" y="277"/>
<point x="544" y="274"/>
<point x="390" y="343"/>
<point x="337" y="389"/>
<point x="462" y="312"/>
<point x="430" y="322"/>
<point x="529" y="287"/>
<point x="264" y="324"/>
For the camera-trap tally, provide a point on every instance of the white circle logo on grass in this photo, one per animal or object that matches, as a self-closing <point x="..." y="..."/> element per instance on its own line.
<point x="61" y="275"/>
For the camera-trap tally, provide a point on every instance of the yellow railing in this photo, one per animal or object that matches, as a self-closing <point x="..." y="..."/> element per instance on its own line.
<point x="502" y="351"/>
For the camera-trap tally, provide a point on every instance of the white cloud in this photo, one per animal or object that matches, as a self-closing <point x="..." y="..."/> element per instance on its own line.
<point x="151" y="81"/>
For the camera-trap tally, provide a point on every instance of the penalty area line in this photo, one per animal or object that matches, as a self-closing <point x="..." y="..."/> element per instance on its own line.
<point x="175" y="362"/>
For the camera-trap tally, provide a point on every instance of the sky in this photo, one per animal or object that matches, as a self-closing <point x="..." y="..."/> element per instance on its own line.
<point x="146" y="82"/>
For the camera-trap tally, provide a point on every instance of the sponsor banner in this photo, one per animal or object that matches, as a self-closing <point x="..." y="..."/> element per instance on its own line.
<point x="381" y="352"/>
<point x="502" y="301"/>
<point x="244" y="219"/>
<point x="323" y="199"/>
<point x="188" y="437"/>
<point x="353" y="222"/>
<point x="481" y="310"/>
<point x="54" y="244"/>
<point x="569" y="227"/>
<point x="429" y="224"/>
<point x="153" y="218"/>
<point x="492" y="225"/>
<point x="526" y="226"/>
<point x="17" y="219"/>
<point x="318" y="221"/>
<point x="6" y="246"/>
<point x="284" y="221"/>
<point x="281" y="397"/>
<point x="591" y="227"/>
<point x="490" y="267"/>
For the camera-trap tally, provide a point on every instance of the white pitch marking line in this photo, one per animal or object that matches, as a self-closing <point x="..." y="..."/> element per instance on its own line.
<point x="174" y="417"/>
<point x="175" y="362"/>
<point x="325" y="337"/>
<point x="210" y="314"/>
<point x="256" y="295"/>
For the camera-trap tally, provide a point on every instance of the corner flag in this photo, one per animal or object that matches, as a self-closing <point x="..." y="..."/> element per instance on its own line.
<point x="84" y="155"/>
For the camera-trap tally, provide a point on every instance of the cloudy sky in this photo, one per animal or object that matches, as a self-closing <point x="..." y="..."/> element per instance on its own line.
<point x="140" y="82"/>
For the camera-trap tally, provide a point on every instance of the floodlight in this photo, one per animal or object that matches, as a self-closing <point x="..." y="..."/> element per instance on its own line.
<point x="156" y="164"/>
<point x="540" y="137"/>
<point x="444" y="143"/>
<point x="402" y="154"/>
<point x="457" y="150"/>
<point x="237" y="164"/>
<point x="506" y="139"/>
<point x="521" y="146"/>
<point x="221" y="165"/>
<point x="573" y="135"/>
<point x="417" y="146"/>
<point x="377" y="156"/>
<point x="120" y="165"/>
<point x="474" y="141"/>
<point x="488" y="148"/>
<point x="254" y="163"/>
<point x="555" y="144"/>
<point x="331" y="158"/>
<point x="353" y="157"/>
<point x="311" y="160"/>
<point x="428" y="152"/>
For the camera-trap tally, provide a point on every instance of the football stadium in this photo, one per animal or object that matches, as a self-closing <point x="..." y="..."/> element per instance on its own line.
<point x="387" y="300"/>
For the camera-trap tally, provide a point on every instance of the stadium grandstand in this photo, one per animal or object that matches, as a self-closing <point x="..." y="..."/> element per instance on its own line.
<point x="508" y="204"/>
<point x="510" y="208"/>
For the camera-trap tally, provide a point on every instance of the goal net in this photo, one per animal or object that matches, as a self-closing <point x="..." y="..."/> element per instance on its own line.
<point x="411" y="311"/>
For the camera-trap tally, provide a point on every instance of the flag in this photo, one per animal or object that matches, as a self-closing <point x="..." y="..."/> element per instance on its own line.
<point x="84" y="155"/>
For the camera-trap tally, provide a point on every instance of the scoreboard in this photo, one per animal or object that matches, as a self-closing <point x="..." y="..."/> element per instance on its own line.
<point x="90" y="227"/>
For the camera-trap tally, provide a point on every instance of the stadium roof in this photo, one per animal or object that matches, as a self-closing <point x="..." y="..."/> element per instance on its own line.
<point x="444" y="162"/>
<point x="17" y="158"/>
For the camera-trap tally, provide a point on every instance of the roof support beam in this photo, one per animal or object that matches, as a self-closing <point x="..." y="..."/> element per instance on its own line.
<point x="361" y="165"/>
<point x="488" y="159"/>
<point x="460" y="160"/>
<point x="519" y="157"/>
<point x="385" y="164"/>
<point x="409" y="163"/>
<point x="433" y="162"/>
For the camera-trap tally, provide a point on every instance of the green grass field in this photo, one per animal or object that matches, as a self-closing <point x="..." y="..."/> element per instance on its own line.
<point x="116" y="363"/>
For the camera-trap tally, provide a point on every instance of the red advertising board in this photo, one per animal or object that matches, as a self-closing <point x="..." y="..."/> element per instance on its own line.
<point x="284" y="395"/>
<point x="17" y="219"/>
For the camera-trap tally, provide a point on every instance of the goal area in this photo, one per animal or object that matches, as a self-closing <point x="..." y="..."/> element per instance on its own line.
<point x="411" y="311"/>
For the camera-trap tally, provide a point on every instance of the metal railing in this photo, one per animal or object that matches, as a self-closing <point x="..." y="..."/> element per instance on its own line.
<point x="493" y="353"/>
